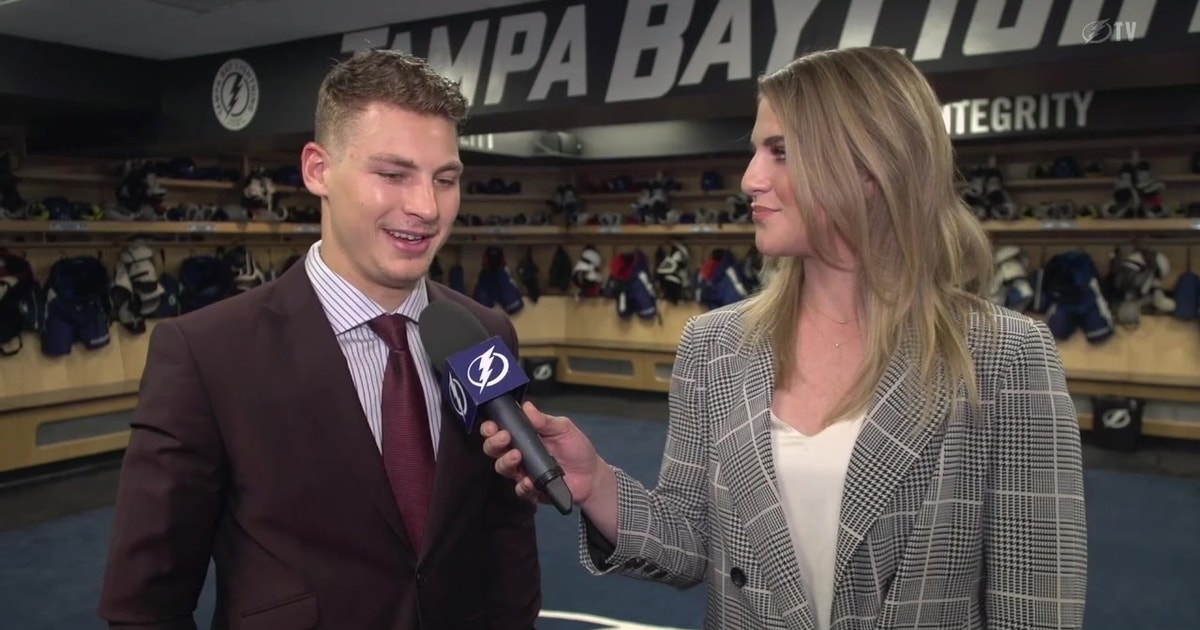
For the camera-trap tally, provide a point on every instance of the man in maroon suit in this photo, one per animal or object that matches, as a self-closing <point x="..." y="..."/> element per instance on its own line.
<point x="296" y="435"/>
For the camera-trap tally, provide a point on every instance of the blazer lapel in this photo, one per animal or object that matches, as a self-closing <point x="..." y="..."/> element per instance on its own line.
<point x="459" y="472"/>
<point x="745" y="451"/>
<point x="889" y="444"/>
<point x="320" y="366"/>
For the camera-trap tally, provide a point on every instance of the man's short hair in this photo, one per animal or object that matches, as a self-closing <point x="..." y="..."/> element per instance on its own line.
<point x="384" y="76"/>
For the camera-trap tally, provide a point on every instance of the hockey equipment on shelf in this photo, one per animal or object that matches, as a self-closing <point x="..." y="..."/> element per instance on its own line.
<point x="1149" y="190"/>
<point x="610" y="218"/>
<point x="1147" y="184"/>
<point x="468" y="220"/>
<point x="999" y="204"/>
<point x="303" y="214"/>
<point x="1125" y="198"/>
<point x="559" y="276"/>
<point x="185" y="168"/>
<point x="21" y="305"/>
<point x="705" y="216"/>
<point x="644" y="207"/>
<point x="78" y="307"/>
<point x="1065" y="167"/>
<point x="204" y="279"/>
<point x="495" y="219"/>
<point x="739" y="208"/>
<point x="496" y="285"/>
<point x="752" y="269"/>
<point x="1060" y="211"/>
<point x="494" y="186"/>
<point x="1135" y="285"/>
<point x="1010" y="282"/>
<point x="629" y="284"/>
<point x="973" y="193"/>
<point x="140" y="194"/>
<point x="720" y="281"/>
<point x="59" y="208"/>
<point x="671" y="271"/>
<point x="247" y="273"/>
<point x="1067" y="289"/>
<point x="586" y="274"/>
<point x="654" y="201"/>
<point x="527" y="271"/>
<point x="674" y="217"/>
<point x="618" y="184"/>
<point x="565" y="201"/>
<point x="711" y="181"/>
<point x="259" y="198"/>
<point x="12" y="205"/>
<point x="139" y="289"/>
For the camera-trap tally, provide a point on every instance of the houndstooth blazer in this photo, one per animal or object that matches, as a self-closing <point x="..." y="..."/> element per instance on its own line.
<point x="975" y="521"/>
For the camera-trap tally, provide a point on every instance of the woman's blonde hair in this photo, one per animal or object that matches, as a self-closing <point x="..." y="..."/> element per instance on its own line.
<point x="858" y="115"/>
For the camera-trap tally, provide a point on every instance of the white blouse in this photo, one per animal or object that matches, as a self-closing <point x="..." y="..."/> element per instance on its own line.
<point x="810" y="472"/>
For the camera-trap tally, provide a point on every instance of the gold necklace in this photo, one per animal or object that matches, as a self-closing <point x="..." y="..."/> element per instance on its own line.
<point x="836" y="344"/>
<point x="834" y="319"/>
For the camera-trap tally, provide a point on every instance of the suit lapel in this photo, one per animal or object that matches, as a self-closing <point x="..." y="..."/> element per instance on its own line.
<point x="459" y="474"/>
<point x="891" y="441"/>
<point x="745" y="450"/>
<point x="336" y="410"/>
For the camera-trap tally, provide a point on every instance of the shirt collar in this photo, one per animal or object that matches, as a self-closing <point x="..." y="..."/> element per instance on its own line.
<point x="345" y="306"/>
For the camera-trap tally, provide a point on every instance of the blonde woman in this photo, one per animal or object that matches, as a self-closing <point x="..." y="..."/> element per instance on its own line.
<point x="868" y="442"/>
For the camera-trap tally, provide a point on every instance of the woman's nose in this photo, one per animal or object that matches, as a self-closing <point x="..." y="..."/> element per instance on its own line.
<point x="754" y="179"/>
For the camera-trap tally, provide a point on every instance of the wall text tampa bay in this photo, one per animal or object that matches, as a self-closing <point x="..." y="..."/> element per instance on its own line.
<point x="629" y="50"/>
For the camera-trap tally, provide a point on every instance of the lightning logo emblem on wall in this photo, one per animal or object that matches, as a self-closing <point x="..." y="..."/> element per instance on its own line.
<point x="235" y="90"/>
<point x="235" y="94"/>
<point x="484" y="371"/>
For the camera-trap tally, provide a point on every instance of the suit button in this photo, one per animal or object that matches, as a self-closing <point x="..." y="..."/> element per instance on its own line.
<point x="738" y="577"/>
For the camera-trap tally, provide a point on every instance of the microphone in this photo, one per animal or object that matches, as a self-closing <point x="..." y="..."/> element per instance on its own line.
<point x="480" y="377"/>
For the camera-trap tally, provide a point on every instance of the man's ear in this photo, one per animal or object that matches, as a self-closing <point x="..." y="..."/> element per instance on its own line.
<point x="315" y="161"/>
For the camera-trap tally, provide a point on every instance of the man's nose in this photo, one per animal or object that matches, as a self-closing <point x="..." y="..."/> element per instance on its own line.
<point x="423" y="202"/>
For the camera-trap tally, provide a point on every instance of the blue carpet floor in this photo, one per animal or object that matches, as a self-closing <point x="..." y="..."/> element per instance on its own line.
<point x="1144" y="538"/>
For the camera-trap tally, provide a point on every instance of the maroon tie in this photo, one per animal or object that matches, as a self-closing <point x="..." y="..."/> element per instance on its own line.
<point x="407" y="445"/>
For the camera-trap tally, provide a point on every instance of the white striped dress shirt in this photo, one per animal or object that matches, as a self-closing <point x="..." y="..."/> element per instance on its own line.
<point x="348" y="311"/>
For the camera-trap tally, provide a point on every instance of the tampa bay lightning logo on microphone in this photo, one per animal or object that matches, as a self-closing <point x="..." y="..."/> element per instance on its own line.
<point x="479" y="375"/>
<point x="458" y="397"/>
<point x="488" y="369"/>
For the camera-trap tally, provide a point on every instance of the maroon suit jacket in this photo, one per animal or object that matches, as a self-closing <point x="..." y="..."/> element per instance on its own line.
<point x="250" y="446"/>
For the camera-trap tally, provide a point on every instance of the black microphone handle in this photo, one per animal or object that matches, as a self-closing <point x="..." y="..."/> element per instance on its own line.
<point x="547" y="475"/>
